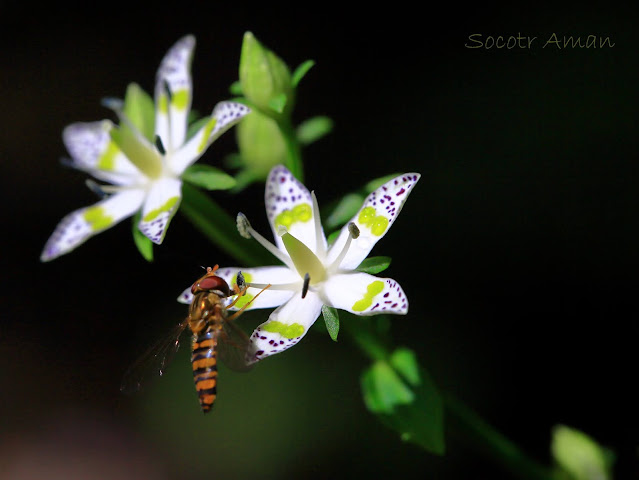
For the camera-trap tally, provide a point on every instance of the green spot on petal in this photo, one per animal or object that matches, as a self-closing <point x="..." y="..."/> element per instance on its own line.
<point x="163" y="103"/>
<point x="180" y="99"/>
<point x="377" y="224"/>
<point x="372" y="290"/>
<point x="107" y="160"/>
<point x="206" y="133"/>
<point x="97" y="218"/>
<point x="300" y="213"/>
<point x="168" y="205"/>
<point x="293" y="330"/>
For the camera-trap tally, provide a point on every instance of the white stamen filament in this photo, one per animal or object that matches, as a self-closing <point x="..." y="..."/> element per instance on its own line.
<point x="320" y="247"/>
<point x="245" y="227"/>
<point x="353" y="232"/>
<point x="282" y="286"/>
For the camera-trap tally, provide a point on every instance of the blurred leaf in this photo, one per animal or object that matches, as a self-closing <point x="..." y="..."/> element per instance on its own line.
<point x="579" y="455"/>
<point x="405" y="399"/>
<point x="403" y="360"/>
<point x="278" y="103"/>
<point x="142" y="242"/>
<point x="383" y="389"/>
<point x="332" y="237"/>
<point x="374" y="265"/>
<point x="313" y="129"/>
<point x="208" y="177"/>
<point x="140" y="110"/>
<point x="347" y="207"/>
<point x="236" y="88"/>
<point x="331" y="318"/>
<point x="301" y="71"/>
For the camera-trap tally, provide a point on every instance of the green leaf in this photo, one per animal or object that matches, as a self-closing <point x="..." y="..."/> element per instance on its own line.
<point x="404" y="398"/>
<point x="347" y="207"/>
<point x="236" y="88"/>
<point x="374" y="265"/>
<point x="383" y="389"/>
<point x="332" y="237"/>
<point x="208" y="177"/>
<point x="301" y="71"/>
<point x="313" y="129"/>
<point x="579" y="455"/>
<point x="278" y="102"/>
<point x="404" y="361"/>
<point x="331" y="318"/>
<point x="140" y="110"/>
<point x="142" y="242"/>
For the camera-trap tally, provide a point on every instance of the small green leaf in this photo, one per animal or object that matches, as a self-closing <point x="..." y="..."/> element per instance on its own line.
<point x="140" y="110"/>
<point x="236" y="88"/>
<point x="331" y="318"/>
<point x="579" y="455"/>
<point x="404" y="361"/>
<point x="405" y="399"/>
<point x="347" y="207"/>
<point x="142" y="242"/>
<point x="332" y="237"/>
<point x="313" y="129"/>
<point x="374" y="265"/>
<point x="301" y="71"/>
<point x="383" y="389"/>
<point x="278" y="103"/>
<point x="208" y="177"/>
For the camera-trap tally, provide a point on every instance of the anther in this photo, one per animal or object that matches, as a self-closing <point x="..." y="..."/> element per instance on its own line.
<point x="241" y="282"/>
<point x="159" y="145"/>
<point x="353" y="230"/>
<point x="243" y="225"/>
<point x="167" y="89"/>
<point x="307" y="282"/>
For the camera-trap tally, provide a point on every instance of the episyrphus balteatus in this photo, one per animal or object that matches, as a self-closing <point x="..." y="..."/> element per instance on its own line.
<point x="213" y="332"/>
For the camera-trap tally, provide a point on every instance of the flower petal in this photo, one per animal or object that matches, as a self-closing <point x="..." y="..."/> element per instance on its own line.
<point x="78" y="226"/>
<point x="269" y="298"/>
<point x="379" y="211"/>
<point x="364" y="294"/>
<point x="173" y="106"/>
<point x="160" y="205"/>
<point x="285" y="327"/>
<point x="92" y="150"/>
<point x="224" y="116"/>
<point x="289" y="204"/>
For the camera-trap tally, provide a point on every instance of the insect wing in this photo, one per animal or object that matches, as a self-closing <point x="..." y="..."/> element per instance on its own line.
<point x="153" y="362"/>
<point x="232" y="347"/>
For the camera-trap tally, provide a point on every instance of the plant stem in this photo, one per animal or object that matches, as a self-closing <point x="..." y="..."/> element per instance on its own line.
<point x="293" y="149"/>
<point x="220" y="228"/>
<point x="479" y="434"/>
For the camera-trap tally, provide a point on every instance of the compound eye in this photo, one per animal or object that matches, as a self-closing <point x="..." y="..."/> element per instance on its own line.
<point x="210" y="283"/>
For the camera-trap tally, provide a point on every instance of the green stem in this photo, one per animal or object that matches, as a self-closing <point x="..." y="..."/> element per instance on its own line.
<point x="472" y="428"/>
<point x="293" y="149"/>
<point x="220" y="228"/>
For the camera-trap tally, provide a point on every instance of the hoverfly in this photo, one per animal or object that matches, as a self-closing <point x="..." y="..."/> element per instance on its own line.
<point x="213" y="332"/>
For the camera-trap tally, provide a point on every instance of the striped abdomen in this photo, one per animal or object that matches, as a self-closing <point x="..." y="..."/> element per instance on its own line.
<point x="204" y="361"/>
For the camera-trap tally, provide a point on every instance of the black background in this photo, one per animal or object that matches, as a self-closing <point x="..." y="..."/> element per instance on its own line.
<point x="517" y="249"/>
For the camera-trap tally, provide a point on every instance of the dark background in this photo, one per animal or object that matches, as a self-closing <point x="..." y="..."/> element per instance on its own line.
<point x="517" y="249"/>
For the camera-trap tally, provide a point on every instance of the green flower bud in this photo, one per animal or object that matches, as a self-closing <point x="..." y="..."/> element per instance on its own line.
<point x="261" y="144"/>
<point x="265" y="78"/>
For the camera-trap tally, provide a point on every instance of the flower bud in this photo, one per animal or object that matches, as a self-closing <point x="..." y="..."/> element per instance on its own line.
<point x="264" y="77"/>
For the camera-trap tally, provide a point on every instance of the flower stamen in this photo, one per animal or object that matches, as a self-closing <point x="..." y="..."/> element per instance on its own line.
<point x="353" y="233"/>
<point x="307" y="281"/>
<point x="245" y="229"/>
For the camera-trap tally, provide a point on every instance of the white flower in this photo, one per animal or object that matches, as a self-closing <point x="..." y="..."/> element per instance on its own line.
<point x="145" y="173"/>
<point x="314" y="274"/>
